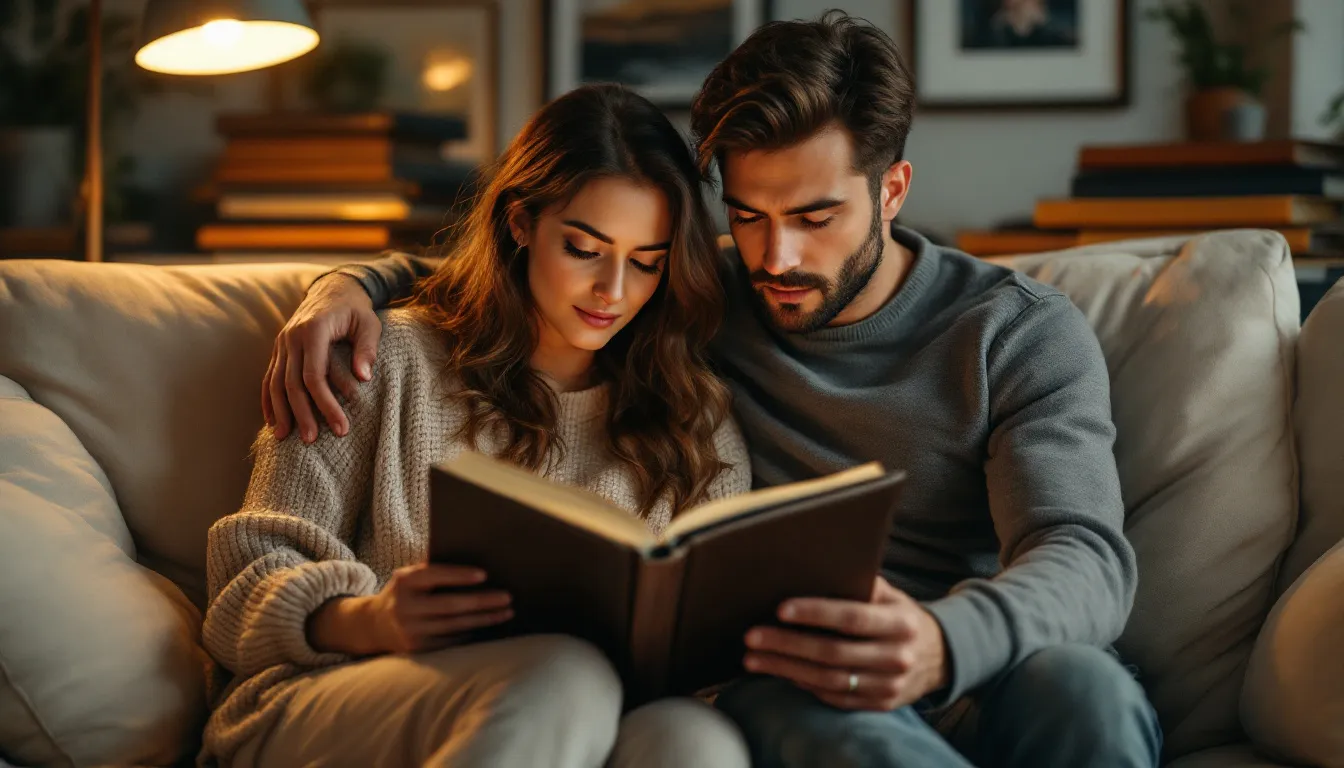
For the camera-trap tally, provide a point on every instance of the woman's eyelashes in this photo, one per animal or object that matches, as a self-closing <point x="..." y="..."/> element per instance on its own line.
<point x="574" y="251"/>
<point x="648" y="269"/>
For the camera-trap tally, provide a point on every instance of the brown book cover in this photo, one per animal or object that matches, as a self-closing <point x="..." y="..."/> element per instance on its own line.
<point x="1183" y="212"/>
<point x="670" y="611"/>
<point x="1307" y="154"/>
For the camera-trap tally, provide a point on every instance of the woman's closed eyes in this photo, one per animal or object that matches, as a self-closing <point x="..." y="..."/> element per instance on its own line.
<point x="579" y="253"/>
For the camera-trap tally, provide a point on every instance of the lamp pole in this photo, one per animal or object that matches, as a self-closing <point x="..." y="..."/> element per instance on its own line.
<point x="93" y="171"/>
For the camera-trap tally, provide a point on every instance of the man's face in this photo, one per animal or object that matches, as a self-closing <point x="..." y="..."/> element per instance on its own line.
<point x="807" y="227"/>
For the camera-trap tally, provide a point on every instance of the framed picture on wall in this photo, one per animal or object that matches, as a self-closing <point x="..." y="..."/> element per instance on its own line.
<point x="663" y="49"/>
<point x="437" y="57"/>
<point x="1024" y="54"/>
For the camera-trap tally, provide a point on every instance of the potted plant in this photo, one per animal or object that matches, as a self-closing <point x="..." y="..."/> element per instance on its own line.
<point x="1225" y="87"/>
<point x="44" y="63"/>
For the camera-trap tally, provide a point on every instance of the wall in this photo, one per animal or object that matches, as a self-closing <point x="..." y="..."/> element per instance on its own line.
<point x="978" y="169"/>
<point x="971" y="169"/>
<point x="1317" y="64"/>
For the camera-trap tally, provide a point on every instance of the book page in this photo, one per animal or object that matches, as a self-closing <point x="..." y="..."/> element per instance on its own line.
<point x="575" y="506"/>
<point x="736" y="506"/>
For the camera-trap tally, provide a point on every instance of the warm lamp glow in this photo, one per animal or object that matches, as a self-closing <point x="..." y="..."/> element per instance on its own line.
<point x="223" y="46"/>
<point x="446" y="75"/>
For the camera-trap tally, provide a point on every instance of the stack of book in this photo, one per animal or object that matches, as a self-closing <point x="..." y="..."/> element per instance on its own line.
<point x="1154" y="190"/>
<point x="343" y="183"/>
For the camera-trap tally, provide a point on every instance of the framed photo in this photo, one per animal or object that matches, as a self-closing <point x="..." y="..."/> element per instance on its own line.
<point x="1024" y="54"/>
<point x="663" y="49"/>
<point x="441" y="58"/>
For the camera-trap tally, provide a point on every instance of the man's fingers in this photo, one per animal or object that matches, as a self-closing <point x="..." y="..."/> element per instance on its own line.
<point x="280" y="403"/>
<point x="885" y="620"/>
<point x="829" y="651"/>
<point x="367" y="332"/>
<point x="315" y="380"/>
<point x="803" y="673"/>
<point x="298" y="395"/>
<point x="344" y="381"/>
<point x="266" y="412"/>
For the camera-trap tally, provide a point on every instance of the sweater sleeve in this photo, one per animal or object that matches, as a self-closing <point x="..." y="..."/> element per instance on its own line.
<point x="1069" y="574"/>
<point x="732" y="450"/>
<point x="388" y="279"/>
<point x="288" y="549"/>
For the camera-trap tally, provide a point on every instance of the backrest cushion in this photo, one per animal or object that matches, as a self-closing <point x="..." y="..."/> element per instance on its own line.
<point x="158" y="372"/>
<point x="1199" y="338"/>
<point x="99" y="661"/>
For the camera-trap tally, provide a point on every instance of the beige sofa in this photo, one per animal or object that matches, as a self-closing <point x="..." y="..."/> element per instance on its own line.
<point x="129" y="395"/>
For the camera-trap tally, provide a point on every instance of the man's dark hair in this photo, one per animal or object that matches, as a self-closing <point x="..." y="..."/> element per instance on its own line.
<point x="791" y="79"/>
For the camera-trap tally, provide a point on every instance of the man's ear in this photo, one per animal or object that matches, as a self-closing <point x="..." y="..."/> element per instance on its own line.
<point x="520" y="223"/>
<point x="895" y="186"/>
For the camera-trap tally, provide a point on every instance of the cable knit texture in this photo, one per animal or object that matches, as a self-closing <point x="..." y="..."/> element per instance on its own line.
<point x="337" y="517"/>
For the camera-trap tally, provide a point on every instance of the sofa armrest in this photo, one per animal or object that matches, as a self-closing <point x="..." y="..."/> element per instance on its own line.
<point x="1292" y="703"/>
<point x="1318" y="413"/>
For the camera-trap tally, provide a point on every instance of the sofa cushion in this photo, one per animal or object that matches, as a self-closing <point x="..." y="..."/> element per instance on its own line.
<point x="1198" y="336"/>
<point x="99" y="663"/>
<point x="1320" y="435"/>
<point x="158" y="372"/>
<point x="1293" y="701"/>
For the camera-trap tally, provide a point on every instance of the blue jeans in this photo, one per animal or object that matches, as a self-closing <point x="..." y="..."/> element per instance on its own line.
<point x="1068" y="706"/>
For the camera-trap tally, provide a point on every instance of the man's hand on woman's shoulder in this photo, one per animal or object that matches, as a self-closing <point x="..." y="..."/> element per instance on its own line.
<point x="302" y="368"/>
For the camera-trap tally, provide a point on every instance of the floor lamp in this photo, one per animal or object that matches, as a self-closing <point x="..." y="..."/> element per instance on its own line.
<point x="189" y="37"/>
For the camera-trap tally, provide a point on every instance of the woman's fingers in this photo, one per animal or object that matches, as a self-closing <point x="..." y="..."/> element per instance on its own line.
<point x="427" y="576"/>
<point x="430" y="629"/>
<point x="458" y="603"/>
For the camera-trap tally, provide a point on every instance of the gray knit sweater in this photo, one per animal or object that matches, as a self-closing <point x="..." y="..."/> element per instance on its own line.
<point x="338" y="517"/>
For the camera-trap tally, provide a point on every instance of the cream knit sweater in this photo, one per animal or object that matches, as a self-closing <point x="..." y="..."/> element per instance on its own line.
<point x="339" y="516"/>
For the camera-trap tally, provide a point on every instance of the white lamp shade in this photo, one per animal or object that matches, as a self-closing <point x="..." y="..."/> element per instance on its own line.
<point x="218" y="37"/>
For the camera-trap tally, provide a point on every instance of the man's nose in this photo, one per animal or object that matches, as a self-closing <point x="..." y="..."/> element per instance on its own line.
<point x="782" y="252"/>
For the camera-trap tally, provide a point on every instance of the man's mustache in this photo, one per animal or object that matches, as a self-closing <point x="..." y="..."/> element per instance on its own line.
<point x="761" y="278"/>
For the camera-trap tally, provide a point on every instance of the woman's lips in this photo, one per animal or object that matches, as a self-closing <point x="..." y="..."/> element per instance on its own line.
<point x="596" y="319"/>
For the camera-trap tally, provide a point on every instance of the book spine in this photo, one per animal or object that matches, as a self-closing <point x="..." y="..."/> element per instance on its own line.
<point x="1101" y="185"/>
<point x="1158" y="213"/>
<point x="653" y="621"/>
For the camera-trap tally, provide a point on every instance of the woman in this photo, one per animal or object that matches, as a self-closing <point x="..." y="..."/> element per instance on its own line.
<point x="566" y="333"/>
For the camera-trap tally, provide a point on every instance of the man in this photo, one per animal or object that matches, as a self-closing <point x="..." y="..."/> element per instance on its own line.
<point x="850" y="339"/>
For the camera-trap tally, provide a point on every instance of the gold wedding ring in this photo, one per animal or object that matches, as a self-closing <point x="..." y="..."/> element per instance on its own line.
<point x="853" y="682"/>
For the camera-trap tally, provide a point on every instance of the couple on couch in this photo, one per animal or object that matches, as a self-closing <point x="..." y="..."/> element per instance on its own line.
<point x="579" y="327"/>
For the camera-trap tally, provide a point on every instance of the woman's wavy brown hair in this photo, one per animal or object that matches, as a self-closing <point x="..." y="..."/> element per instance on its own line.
<point x="665" y="404"/>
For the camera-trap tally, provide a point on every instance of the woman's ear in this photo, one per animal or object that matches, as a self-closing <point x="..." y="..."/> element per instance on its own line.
<point x="520" y="223"/>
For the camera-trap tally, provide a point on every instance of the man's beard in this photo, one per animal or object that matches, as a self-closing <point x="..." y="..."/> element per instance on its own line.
<point x="854" y="276"/>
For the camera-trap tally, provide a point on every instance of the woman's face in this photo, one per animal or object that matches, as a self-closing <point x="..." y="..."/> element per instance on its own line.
<point x="594" y="263"/>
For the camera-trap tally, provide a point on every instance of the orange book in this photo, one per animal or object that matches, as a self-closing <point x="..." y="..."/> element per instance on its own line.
<point x="1005" y="242"/>
<point x="1300" y="239"/>
<point x="1311" y="154"/>
<point x="337" y="150"/>
<point x="1183" y="213"/>
<point x="305" y="237"/>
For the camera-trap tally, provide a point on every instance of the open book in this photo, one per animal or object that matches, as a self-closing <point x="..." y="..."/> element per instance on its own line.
<point x="670" y="610"/>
